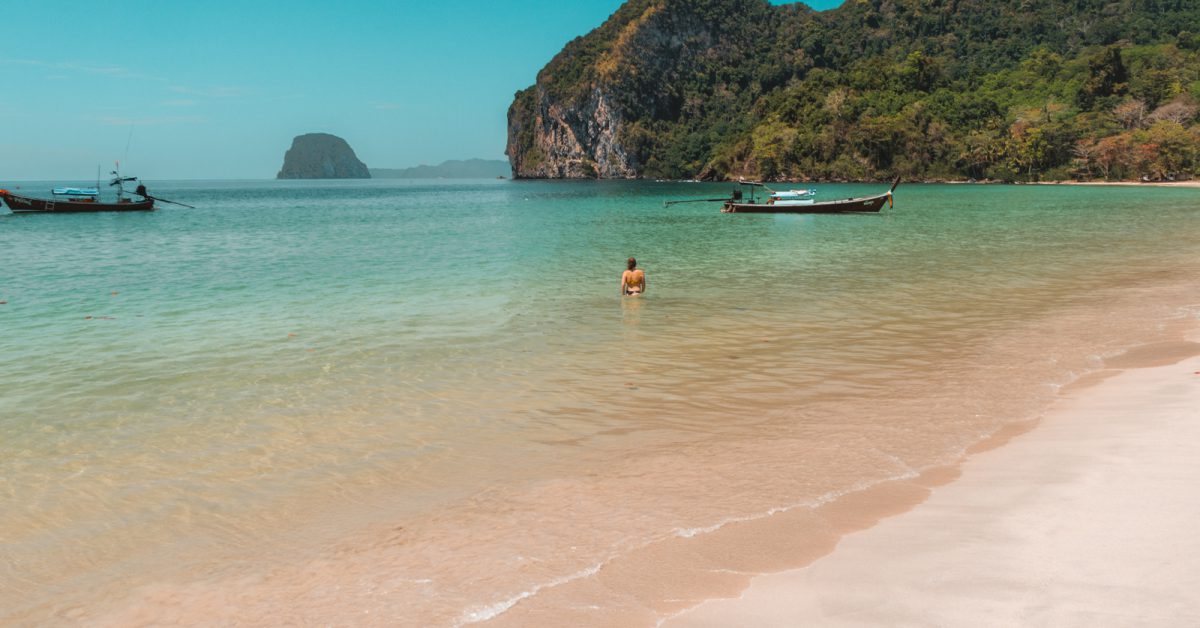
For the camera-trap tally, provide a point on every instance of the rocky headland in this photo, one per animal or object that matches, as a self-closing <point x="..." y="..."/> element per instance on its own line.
<point x="580" y="119"/>
<point x="321" y="156"/>
<point x="930" y="90"/>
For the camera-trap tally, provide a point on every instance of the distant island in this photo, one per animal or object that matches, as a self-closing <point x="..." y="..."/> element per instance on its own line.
<point x="452" y="169"/>
<point x="1007" y="90"/>
<point x="321" y="156"/>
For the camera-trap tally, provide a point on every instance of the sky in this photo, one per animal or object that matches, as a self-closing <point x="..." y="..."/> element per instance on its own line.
<point x="218" y="89"/>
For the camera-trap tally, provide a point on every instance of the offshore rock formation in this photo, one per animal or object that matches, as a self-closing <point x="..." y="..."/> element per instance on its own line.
<point x="321" y="156"/>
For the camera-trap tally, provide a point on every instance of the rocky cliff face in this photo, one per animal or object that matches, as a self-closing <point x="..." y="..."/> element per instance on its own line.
<point x="548" y="139"/>
<point x="594" y="107"/>
<point x="321" y="156"/>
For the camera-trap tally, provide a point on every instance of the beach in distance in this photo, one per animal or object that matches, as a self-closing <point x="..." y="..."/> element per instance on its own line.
<point x="424" y="403"/>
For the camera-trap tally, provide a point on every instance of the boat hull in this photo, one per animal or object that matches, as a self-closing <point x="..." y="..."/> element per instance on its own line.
<point x="27" y="205"/>
<point x="864" y="205"/>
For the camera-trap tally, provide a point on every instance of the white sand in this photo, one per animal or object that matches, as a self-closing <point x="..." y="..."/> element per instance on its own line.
<point x="1090" y="519"/>
<point x="1164" y="184"/>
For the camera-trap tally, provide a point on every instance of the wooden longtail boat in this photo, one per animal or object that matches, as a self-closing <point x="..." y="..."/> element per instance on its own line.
<point x="795" y="202"/>
<point x="26" y="204"/>
<point x="774" y="204"/>
<point x="78" y="200"/>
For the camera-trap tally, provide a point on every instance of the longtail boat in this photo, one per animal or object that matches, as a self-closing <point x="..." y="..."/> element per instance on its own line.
<point x="26" y="204"/>
<point x="76" y="200"/>
<point x="796" y="202"/>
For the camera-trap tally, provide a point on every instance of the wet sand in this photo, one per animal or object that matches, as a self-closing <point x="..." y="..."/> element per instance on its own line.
<point x="1087" y="519"/>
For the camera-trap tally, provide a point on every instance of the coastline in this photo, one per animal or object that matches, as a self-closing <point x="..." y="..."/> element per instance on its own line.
<point x="1161" y="184"/>
<point x="1143" y="184"/>
<point x="1194" y="183"/>
<point x="1080" y="520"/>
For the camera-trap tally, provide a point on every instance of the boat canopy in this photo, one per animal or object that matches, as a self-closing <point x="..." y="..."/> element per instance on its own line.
<point x="790" y="194"/>
<point x="76" y="191"/>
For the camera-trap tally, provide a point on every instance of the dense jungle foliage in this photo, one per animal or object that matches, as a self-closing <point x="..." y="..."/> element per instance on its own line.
<point x="927" y="89"/>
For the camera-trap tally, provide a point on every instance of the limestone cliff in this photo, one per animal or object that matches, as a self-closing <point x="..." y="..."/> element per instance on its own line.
<point x="593" y="108"/>
<point x="555" y="140"/>
<point x="321" y="156"/>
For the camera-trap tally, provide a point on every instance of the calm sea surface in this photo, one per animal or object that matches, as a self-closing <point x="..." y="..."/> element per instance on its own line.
<point x="424" y="403"/>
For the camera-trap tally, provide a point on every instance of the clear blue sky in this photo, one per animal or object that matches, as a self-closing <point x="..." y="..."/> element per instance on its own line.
<point x="218" y="89"/>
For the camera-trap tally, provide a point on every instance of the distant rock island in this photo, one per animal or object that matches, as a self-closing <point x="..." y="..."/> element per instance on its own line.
<point x="453" y="169"/>
<point x="321" y="156"/>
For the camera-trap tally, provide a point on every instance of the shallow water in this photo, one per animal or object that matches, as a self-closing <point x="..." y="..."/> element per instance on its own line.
<point x="426" y="401"/>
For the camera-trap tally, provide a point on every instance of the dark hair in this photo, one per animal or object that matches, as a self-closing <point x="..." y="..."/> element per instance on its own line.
<point x="632" y="263"/>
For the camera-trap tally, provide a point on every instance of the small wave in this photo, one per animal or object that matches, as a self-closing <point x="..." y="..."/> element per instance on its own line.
<point x="688" y="533"/>
<point x="485" y="613"/>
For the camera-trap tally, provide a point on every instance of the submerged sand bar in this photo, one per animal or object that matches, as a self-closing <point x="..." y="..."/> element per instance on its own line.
<point x="1087" y="520"/>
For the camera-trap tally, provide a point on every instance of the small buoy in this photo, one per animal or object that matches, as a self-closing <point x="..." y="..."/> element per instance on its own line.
<point x="87" y="318"/>
<point x="115" y="293"/>
<point x="291" y="335"/>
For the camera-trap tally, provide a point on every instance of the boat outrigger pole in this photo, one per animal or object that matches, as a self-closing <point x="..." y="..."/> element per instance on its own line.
<point x="163" y="200"/>
<point x="695" y="200"/>
<point x="734" y="196"/>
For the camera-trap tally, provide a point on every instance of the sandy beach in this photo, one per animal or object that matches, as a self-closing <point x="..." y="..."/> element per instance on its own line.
<point x="1161" y="184"/>
<point x="1165" y="184"/>
<point x="1087" y="519"/>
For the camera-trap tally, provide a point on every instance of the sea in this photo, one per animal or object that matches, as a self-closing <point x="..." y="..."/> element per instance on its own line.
<point x="426" y="403"/>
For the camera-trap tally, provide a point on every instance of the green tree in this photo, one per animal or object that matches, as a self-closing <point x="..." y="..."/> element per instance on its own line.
<point x="1106" y="76"/>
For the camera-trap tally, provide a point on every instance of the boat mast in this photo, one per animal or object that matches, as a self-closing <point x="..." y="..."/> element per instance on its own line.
<point x="117" y="181"/>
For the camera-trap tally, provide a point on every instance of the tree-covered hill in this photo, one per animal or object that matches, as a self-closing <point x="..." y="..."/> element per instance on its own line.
<point x="927" y="89"/>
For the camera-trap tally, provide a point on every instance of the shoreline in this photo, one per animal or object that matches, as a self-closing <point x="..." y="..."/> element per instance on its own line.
<point x="1194" y="183"/>
<point x="1080" y="518"/>
<point x="1069" y="182"/>
<point x="1160" y="184"/>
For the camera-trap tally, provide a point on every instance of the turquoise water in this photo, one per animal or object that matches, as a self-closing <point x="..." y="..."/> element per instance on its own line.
<point x="292" y="363"/>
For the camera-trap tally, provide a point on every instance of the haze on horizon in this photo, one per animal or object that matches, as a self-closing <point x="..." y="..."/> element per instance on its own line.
<point x="218" y="90"/>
